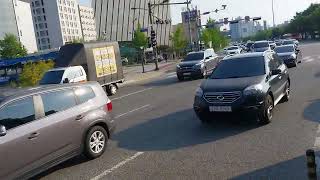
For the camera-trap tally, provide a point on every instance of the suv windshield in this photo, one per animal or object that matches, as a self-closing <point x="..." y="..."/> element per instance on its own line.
<point x="284" y="49"/>
<point x="194" y="57"/>
<point x="52" y="77"/>
<point x="239" y="67"/>
<point x="261" y="45"/>
<point x="288" y="42"/>
<point x="232" y="48"/>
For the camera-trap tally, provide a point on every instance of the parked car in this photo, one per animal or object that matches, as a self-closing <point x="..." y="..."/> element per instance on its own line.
<point x="197" y="64"/>
<point x="73" y="74"/>
<point x="249" y="45"/>
<point x="291" y="42"/>
<point x="289" y="55"/>
<point x="278" y="42"/>
<point x="101" y="62"/>
<point x="233" y="50"/>
<point x="252" y="82"/>
<point x="44" y="126"/>
<point x="261" y="46"/>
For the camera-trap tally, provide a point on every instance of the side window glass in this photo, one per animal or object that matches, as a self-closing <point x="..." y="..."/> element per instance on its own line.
<point x="57" y="101"/>
<point x="17" y="113"/>
<point x="84" y="94"/>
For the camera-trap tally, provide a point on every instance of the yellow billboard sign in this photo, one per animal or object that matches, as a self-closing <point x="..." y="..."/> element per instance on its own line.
<point x="105" y="61"/>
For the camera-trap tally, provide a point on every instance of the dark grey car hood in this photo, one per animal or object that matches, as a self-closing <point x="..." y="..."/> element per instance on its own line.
<point x="235" y="84"/>
<point x="189" y="63"/>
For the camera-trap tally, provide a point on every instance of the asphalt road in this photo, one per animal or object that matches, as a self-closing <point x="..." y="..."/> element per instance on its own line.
<point x="159" y="137"/>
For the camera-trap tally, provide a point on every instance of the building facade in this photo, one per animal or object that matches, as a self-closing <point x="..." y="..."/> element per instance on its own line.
<point x="192" y="31"/>
<point x="88" y="24"/>
<point x="56" y="22"/>
<point x="116" y="21"/>
<point x="16" y="19"/>
<point x="244" y="29"/>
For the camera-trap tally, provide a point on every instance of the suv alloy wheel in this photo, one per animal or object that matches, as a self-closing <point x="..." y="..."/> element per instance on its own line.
<point x="96" y="142"/>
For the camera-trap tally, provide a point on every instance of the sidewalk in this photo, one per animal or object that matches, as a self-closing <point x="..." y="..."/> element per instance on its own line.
<point x="134" y="74"/>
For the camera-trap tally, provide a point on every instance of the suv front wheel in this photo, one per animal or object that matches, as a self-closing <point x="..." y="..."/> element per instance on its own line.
<point x="95" y="142"/>
<point x="265" y="113"/>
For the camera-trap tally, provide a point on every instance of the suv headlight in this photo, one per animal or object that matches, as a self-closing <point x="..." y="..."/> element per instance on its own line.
<point x="178" y="66"/>
<point x="252" y="90"/>
<point x="198" y="66"/>
<point x="199" y="92"/>
<point x="293" y="56"/>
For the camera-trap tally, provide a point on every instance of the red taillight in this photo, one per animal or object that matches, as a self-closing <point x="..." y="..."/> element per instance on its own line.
<point x="109" y="106"/>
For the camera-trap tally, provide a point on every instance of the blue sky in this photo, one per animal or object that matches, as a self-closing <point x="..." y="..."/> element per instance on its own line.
<point x="284" y="9"/>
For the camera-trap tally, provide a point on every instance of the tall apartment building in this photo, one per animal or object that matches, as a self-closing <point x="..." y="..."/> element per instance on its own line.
<point x="16" y="19"/>
<point x="191" y="32"/>
<point x="55" y="22"/>
<point x="88" y="24"/>
<point x="244" y="29"/>
<point x="116" y="21"/>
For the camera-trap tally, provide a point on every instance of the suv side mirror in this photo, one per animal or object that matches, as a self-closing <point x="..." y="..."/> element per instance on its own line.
<point x="208" y="57"/>
<point x="66" y="80"/>
<point x="3" y="131"/>
<point x="275" y="72"/>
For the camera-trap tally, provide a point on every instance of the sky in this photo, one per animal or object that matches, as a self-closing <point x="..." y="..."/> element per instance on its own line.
<point x="284" y="9"/>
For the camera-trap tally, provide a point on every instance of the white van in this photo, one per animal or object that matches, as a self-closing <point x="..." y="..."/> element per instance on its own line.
<point x="63" y="75"/>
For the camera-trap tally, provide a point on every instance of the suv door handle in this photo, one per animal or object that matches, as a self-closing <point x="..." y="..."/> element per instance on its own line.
<point x="79" y="117"/>
<point x="33" y="135"/>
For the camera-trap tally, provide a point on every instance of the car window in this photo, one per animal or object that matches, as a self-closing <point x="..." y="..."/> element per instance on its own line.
<point x="57" y="101"/>
<point x="52" y="77"/>
<point x="194" y="57"/>
<point x="84" y="94"/>
<point x="261" y="45"/>
<point x="284" y="49"/>
<point x="239" y="67"/>
<point x="17" y="113"/>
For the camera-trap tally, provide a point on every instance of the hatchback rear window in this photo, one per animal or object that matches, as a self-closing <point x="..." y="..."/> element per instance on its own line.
<point x="52" y="77"/>
<point x="84" y="94"/>
<point x="261" y="45"/>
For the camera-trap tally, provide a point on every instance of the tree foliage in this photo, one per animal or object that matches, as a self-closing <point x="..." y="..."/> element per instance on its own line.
<point x="140" y="38"/>
<point x="11" y="47"/>
<point x="33" y="72"/>
<point x="179" y="42"/>
<point x="214" y="36"/>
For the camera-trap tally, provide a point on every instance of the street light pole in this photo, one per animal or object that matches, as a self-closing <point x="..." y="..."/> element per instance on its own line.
<point x="274" y="25"/>
<point x="155" y="47"/>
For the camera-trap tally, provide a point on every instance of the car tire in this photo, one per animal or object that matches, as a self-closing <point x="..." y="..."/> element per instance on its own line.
<point x="265" y="113"/>
<point x="111" y="89"/>
<point x="286" y="96"/>
<point x="95" y="142"/>
<point x="180" y="78"/>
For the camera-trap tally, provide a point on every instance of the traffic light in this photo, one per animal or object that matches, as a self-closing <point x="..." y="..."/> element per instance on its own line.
<point x="256" y="18"/>
<point x="153" y="38"/>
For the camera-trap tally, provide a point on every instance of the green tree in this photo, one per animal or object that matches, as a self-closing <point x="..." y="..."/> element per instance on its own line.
<point x="33" y="72"/>
<point x="179" y="42"/>
<point x="214" y="36"/>
<point x="10" y="47"/>
<point x="140" y="38"/>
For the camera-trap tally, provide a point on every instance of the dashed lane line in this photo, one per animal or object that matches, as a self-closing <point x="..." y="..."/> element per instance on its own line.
<point x="130" y="94"/>
<point x="134" y="110"/>
<point x="119" y="165"/>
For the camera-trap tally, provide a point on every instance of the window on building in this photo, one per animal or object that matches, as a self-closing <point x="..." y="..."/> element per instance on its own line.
<point x="43" y="10"/>
<point x="39" y="18"/>
<point x="37" y="3"/>
<point x="38" y="11"/>
<point x="36" y="26"/>
<point x="47" y="32"/>
<point x="44" y="17"/>
<point x="45" y="24"/>
<point x="39" y="41"/>
<point x="61" y="15"/>
<point x="37" y="34"/>
<point x="34" y="12"/>
<point x="48" y="40"/>
<point x="32" y="4"/>
<point x="49" y="47"/>
<point x="43" y="40"/>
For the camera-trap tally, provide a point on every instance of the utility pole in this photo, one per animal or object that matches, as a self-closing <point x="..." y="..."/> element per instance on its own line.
<point x="154" y="45"/>
<point x="189" y="23"/>
<point x="274" y="24"/>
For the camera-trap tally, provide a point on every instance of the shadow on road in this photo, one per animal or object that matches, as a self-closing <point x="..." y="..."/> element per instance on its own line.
<point x="312" y="112"/>
<point x="178" y="130"/>
<point x="292" y="169"/>
<point x="69" y="163"/>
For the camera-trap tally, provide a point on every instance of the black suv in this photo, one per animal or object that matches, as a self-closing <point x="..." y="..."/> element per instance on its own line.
<point x="255" y="81"/>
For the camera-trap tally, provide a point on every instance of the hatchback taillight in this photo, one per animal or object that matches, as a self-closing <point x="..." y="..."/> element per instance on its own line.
<point x="108" y="106"/>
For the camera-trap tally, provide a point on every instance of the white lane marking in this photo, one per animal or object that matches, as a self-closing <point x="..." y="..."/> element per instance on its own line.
<point x="309" y="60"/>
<point x="317" y="140"/>
<point x="120" y="115"/>
<point x="130" y="94"/>
<point x="122" y="163"/>
<point x="171" y="76"/>
<point x="307" y="57"/>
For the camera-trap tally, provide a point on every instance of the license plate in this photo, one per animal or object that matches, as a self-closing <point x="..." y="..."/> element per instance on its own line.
<point x="186" y="74"/>
<point x="220" y="109"/>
